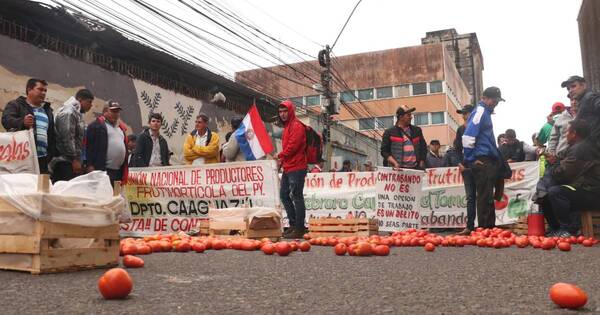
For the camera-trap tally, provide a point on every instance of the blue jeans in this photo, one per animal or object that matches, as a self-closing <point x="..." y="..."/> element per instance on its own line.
<point x="292" y="197"/>
<point x="470" y="191"/>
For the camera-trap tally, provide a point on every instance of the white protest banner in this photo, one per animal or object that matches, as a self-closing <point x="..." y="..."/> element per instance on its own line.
<point x="17" y="152"/>
<point x="174" y="198"/>
<point x="444" y="203"/>
<point x="398" y="198"/>
<point x="339" y="195"/>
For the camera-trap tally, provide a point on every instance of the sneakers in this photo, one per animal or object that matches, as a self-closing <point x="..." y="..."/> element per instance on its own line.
<point x="288" y="231"/>
<point x="465" y="232"/>
<point x="295" y="233"/>
<point x="563" y="233"/>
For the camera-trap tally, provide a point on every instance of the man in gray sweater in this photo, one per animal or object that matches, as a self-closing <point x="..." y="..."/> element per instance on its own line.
<point x="557" y="143"/>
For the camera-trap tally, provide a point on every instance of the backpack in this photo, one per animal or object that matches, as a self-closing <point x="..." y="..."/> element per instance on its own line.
<point x="314" y="146"/>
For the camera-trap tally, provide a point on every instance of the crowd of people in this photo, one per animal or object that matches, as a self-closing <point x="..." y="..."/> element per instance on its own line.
<point x="567" y="146"/>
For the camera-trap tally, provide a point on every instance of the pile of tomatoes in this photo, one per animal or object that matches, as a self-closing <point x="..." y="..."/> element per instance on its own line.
<point x="496" y="238"/>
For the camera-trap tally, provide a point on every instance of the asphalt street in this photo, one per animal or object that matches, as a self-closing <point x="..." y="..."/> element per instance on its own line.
<point x="467" y="280"/>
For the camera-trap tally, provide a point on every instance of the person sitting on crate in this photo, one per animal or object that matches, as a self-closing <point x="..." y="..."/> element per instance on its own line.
<point x="578" y="179"/>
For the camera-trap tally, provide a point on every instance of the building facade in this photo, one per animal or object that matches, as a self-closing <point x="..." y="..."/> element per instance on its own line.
<point x="589" y="37"/>
<point x="372" y="85"/>
<point x="464" y="50"/>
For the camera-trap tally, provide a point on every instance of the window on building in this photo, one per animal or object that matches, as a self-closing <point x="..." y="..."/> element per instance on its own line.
<point x="435" y="87"/>
<point x="385" y="122"/>
<point x="421" y="119"/>
<point x="365" y="95"/>
<point x="313" y="100"/>
<point x="366" y="123"/>
<point x="403" y="90"/>
<point x="297" y="101"/>
<point x="419" y="88"/>
<point x="347" y="96"/>
<point x="385" y="92"/>
<point x="437" y="118"/>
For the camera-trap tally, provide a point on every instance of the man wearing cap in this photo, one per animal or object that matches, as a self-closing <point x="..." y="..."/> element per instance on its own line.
<point x="588" y="107"/>
<point x="403" y="145"/>
<point x="106" y="143"/>
<point x="513" y="150"/>
<point x="544" y="134"/>
<point x="481" y="155"/>
<point x="434" y="158"/>
<point x="557" y="142"/>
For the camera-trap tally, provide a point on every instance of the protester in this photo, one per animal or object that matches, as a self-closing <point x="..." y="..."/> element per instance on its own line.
<point x="434" y="157"/>
<point x="231" y="148"/>
<point x="346" y="166"/>
<point x="70" y="127"/>
<point x="557" y="142"/>
<point x="106" y="143"/>
<point x="33" y="112"/>
<point x="501" y="139"/>
<point x="465" y="112"/>
<point x="293" y="161"/>
<point x="151" y="148"/>
<point x="452" y="158"/>
<point x="513" y="149"/>
<point x="368" y="166"/>
<point x="482" y="156"/>
<point x="201" y="145"/>
<point x="131" y="143"/>
<point x="544" y="134"/>
<point x="588" y="108"/>
<point x="578" y="178"/>
<point x="467" y="173"/>
<point x="403" y="145"/>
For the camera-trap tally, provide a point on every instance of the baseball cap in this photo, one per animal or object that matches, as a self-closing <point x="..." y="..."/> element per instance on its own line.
<point x="465" y="110"/>
<point x="493" y="92"/>
<point x="571" y="79"/>
<point x="112" y="105"/>
<point x="558" y="107"/>
<point x="403" y="109"/>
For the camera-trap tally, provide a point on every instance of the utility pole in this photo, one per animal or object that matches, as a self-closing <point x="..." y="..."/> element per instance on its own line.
<point x="330" y="107"/>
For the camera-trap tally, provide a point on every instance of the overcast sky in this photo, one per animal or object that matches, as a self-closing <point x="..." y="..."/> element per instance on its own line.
<point x="529" y="47"/>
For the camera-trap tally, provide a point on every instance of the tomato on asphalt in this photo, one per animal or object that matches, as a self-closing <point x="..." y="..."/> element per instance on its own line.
<point x="115" y="284"/>
<point x="131" y="261"/>
<point x="568" y="295"/>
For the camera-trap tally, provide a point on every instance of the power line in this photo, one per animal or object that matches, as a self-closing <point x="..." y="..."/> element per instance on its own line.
<point x="347" y="20"/>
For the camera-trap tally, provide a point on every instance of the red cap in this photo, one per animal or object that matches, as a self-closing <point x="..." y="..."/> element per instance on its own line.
<point x="558" y="107"/>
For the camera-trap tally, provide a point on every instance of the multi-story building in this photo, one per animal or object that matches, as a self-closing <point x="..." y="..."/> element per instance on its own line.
<point x="372" y="85"/>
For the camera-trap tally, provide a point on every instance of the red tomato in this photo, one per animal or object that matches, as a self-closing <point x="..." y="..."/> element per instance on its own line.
<point x="199" y="247"/>
<point x="587" y="243"/>
<point x="131" y="261"/>
<point x="219" y="244"/>
<point x="304" y="246"/>
<point x="294" y="246"/>
<point x="381" y="250"/>
<point x="429" y="247"/>
<point x="283" y="248"/>
<point x="580" y="239"/>
<point x="268" y="249"/>
<point x="248" y="245"/>
<point x="166" y="246"/>
<point x="500" y="205"/>
<point x="548" y="244"/>
<point x="155" y="245"/>
<point x="129" y="249"/>
<point x="564" y="246"/>
<point x="144" y="250"/>
<point x="306" y="236"/>
<point x="363" y="249"/>
<point x="568" y="295"/>
<point x="183" y="247"/>
<point x="340" y="249"/>
<point x="115" y="284"/>
<point x="352" y="250"/>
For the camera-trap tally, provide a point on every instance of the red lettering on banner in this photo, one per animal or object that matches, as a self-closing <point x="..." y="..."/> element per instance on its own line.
<point x="314" y="181"/>
<point x="450" y="177"/>
<point x="355" y="181"/>
<point x="168" y="178"/>
<point x="14" y="151"/>
<point x="230" y="175"/>
<point x="517" y="175"/>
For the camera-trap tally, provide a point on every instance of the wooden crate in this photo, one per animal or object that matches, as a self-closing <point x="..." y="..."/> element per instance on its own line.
<point x="36" y="248"/>
<point x="204" y="228"/>
<point x="590" y="223"/>
<point x="241" y="228"/>
<point x="325" y="227"/>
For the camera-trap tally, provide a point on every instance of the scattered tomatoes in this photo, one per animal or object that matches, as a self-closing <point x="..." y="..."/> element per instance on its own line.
<point x="115" y="284"/>
<point x="568" y="295"/>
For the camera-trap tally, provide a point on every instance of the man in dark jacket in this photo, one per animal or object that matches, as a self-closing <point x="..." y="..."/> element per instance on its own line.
<point x="513" y="150"/>
<point x="434" y="157"/>
<point x="403" y="145"/>
<point x="151" y="148"/>
<point x="106" y="143"/>
<point x="578" y="176"/>
<point x="588" y="108"/>
<point x="32" y="112"/>
<point x="293" y="161"/>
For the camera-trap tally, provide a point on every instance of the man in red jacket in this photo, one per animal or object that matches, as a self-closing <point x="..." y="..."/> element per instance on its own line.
<point x="293" y="161"/>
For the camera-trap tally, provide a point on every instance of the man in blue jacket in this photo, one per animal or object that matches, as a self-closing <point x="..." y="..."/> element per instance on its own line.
<point x="481" y="155"/>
